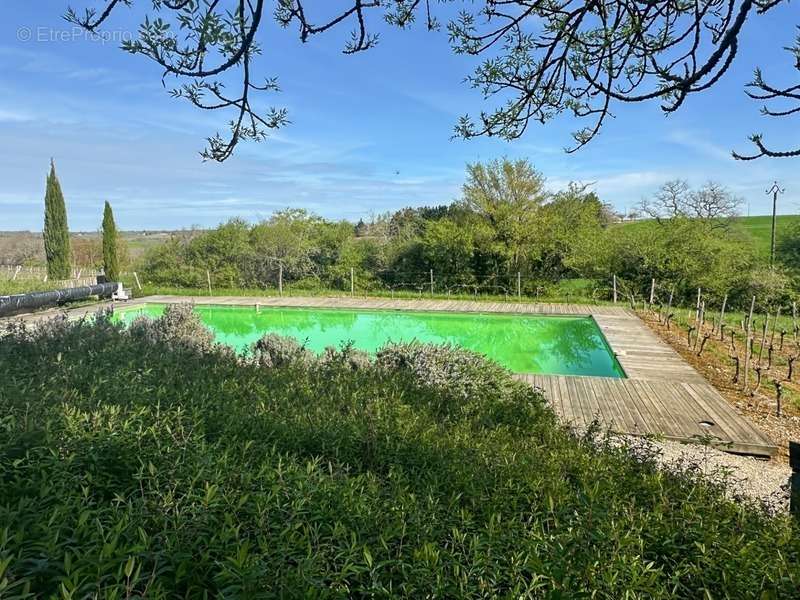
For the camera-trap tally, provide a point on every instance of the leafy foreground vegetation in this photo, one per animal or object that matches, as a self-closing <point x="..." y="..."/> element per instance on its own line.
<point x="149" y="461"/>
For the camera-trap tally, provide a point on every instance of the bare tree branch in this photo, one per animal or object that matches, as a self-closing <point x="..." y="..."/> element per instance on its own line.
<point x="759" y="89"/>
<point x="542" y="58"/>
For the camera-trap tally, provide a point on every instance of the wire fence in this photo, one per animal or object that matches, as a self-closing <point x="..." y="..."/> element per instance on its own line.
<point x="381" y="282"/>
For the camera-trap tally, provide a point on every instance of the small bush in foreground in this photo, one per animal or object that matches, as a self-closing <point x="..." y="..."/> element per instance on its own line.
<point x="348" y="357"/>
<point x="134" y="466"/>
<point x="179" y="325"/>
<point x="274" y="350"/>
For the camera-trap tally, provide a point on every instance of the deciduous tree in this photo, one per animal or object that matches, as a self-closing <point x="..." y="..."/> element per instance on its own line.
<point x="508" y="195"/>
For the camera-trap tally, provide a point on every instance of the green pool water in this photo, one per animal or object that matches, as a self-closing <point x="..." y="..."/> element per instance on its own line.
<point x="524" y="344"/>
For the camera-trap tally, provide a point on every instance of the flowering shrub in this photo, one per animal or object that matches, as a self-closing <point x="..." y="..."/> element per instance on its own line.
<point x="461" y="372"/>
<point x="178" y="326"/>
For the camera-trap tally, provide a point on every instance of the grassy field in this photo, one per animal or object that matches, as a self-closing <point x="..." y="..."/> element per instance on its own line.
<point x="760" y="228"/>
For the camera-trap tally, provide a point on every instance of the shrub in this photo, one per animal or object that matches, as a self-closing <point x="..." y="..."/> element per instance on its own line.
<point x="347" y="356"/>
<point x="178" y="326"/>
<point x="451" y="369"/>
<point x="772" y="287"/>
<point x="274" y="350"/>
<point x="132" y="466"/>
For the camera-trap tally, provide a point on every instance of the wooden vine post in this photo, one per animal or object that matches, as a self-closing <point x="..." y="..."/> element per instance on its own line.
<point x="697" y="325"/>
<point x="652" y="291"/>
<point x="722" y="316"/>
<point x="794" y="481"/>
<point x="700" y="323"/>
<point x="748" y="344"/>
<point x="669" y="307"/>
<point x="615" y="288"/>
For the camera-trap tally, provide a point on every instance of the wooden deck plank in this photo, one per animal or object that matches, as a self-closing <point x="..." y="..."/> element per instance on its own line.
<point x="592" y="408"/>
<point x="666" y="421"/>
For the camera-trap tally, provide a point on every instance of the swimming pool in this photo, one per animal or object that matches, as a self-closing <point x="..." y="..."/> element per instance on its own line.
<point x="556" y="345"/>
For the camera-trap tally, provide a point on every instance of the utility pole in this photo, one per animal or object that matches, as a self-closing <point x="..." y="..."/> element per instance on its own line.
<point x="774" y="190"/>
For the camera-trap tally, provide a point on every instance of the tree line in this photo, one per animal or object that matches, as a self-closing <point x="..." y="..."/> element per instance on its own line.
<point x="506" y="230"/>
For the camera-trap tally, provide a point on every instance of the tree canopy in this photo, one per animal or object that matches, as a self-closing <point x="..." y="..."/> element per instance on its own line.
<point x="541" y="58"/>
<point x="505" y="235"/>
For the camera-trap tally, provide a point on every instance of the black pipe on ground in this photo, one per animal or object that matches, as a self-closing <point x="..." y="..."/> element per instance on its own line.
<point x="20" y="303"/>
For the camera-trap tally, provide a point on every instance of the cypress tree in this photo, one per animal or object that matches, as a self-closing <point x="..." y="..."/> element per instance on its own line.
<point x="56" y="232"/>
<point x="110" y="253"/>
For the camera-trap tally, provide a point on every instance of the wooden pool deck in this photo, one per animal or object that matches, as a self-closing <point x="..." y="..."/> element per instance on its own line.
<point x="662" y="395"/>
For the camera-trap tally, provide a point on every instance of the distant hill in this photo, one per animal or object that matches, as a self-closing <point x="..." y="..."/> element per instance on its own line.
<point x="760" y="227"/>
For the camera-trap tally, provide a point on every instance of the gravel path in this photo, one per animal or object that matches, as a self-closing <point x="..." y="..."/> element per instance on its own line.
<point x="766" y="482"/>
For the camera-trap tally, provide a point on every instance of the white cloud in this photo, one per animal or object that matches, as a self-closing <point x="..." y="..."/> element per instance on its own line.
<point x="698" y="143"/>
<point x="14" y="116"/>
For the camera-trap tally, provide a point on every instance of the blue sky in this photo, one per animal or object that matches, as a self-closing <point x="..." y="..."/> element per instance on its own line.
<point x="369" y="133"/>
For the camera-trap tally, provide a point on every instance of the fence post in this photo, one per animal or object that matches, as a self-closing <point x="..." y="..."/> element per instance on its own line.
<point x="615" y="288"/>
<point x="352" y="282"/>
<point x="748" y="335"/>
<point x="208" y="279"/>
<point x="519" y="285"/>
<point x="794" y="481"/>
<point x="652" y="290"/>
<point x="722" y="313"/>
<point x="431" y="283"/>
<point x="136" y="277"/>
<point x="280" y="279"/>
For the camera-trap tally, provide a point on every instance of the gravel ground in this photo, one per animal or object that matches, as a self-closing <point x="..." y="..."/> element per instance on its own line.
<point x="759" y="480"/>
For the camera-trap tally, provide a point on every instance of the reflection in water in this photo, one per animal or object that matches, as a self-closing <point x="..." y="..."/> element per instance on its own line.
<point x="523" y="344"/>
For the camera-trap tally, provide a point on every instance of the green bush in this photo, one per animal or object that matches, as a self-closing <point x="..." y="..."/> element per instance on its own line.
<point x="274" y="350"/>
<point x="178" y="326"/>
<point x="347" y="358"/>
<point x="133" y="466"/>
